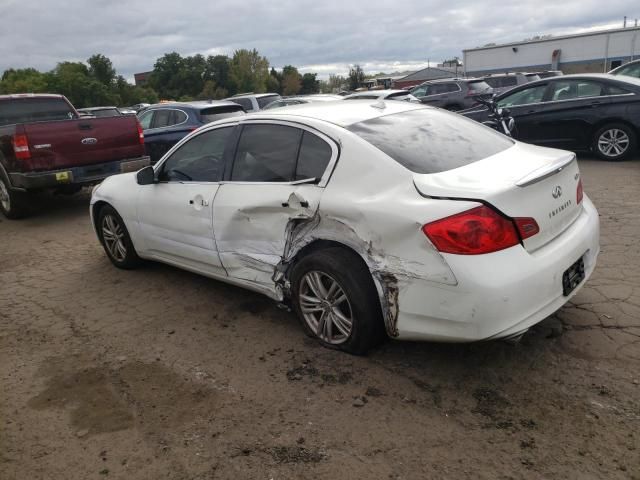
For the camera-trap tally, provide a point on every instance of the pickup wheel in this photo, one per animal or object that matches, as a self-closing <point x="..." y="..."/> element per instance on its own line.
<point x="13" y="203"/>
<point x="116" y="240"/>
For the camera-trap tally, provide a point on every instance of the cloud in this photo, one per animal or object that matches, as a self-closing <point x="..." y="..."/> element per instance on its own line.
<point x="318" y="36"/>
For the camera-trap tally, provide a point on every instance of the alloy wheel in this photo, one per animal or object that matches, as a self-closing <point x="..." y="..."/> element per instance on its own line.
<point x="325" y="307"/>
<point x="113" y="236"/>
<point x="5" y="199"/>
<point x="613" y="142"/>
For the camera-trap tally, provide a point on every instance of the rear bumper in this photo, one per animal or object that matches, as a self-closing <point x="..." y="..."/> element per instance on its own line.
<point x="500" y="294"/>
<point x="83" y="175"/>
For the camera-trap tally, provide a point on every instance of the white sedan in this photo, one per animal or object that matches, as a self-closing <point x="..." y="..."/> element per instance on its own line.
<point x="368" y="218"/>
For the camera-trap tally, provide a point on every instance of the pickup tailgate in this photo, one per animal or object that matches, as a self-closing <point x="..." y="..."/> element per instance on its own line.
<point x="72" y="143"/>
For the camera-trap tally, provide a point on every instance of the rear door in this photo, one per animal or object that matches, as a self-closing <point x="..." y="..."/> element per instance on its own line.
<point x="571" y="108"/>
<point x="276" y="179"/>
<point x="437" y="95"/>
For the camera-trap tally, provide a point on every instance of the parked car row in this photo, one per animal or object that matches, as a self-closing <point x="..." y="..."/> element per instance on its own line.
<point x="590" y="112"/>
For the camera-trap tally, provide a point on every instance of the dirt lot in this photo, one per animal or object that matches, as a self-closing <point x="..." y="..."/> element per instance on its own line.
<point x="158" y="373"/>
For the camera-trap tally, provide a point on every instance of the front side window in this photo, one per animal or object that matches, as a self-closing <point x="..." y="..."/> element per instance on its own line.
<point x="145" y="119"/>
<point x="419" y="92"/>
<point x="201" y="159"/>
<point x="523" y="97"/>
<point x="431" y="140"/>
<point x="575" y="89"/>
<point x="266" y="153"/>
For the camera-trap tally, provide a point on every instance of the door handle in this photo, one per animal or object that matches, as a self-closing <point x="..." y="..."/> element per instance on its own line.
<point x="202" y="202"/>
<point x="85" y="126"/>
<point x="595" y="104"/>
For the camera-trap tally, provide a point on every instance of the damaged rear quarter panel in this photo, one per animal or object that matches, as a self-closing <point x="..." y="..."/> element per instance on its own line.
<point x="371" y="206"/>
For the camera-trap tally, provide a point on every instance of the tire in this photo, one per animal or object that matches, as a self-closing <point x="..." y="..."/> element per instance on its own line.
<point x="13" y="203"/>
<point x="354" y="298"/>
<point x="614" y="142"/>
<point x="115" y="239"/>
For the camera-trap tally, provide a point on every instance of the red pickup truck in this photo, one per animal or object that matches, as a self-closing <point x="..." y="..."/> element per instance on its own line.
<point x="46" y="144"/>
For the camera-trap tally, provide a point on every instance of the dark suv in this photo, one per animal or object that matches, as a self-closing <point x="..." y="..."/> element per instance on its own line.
<point x="452" y="93"/>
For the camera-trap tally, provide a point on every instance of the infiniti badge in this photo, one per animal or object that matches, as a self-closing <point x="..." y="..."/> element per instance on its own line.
<point x="557" y="191"/>
<point x="89" y="141"/>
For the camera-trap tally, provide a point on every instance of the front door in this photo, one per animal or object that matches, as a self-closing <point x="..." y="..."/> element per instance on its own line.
<point x="176" y="214"/>
<point x="527" y="107"/>
<point x="276" y="181"/>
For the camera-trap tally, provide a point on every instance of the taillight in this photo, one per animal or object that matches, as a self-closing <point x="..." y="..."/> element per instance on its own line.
<point x="21" y="147"/>
<point x="140" y="134"/>
<point x="579" y="192"/>
<point x="527" y="227"/>
<point x="476" y="231"/>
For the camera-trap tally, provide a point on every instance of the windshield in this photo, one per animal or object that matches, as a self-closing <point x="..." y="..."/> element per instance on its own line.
<point x="266" y="100"/>
<point x="430" y="140"/>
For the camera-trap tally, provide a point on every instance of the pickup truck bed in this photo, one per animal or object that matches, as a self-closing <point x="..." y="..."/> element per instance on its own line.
<point x="44" y="144"/>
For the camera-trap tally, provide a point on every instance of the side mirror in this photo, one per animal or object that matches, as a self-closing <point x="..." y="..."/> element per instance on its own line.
<point x="146" y="176"/>
<point x="511" y="125"/>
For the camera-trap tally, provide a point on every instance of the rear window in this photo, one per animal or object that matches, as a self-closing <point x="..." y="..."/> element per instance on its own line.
<point x="479" y="86"/>
<point x="264" y="101"/>
<point x="25" y="110"/>
<point x="431" y="141"/>
<point x="218" y="113"/>
<point x="107" y="112"/>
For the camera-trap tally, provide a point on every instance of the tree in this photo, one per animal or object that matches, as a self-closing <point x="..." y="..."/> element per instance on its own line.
<point x="249" y="71"/>
<point x="274" y="82"/>
<point x="309" y="84"/>
<point x="217" y="69"/>
<point x="291" y="80"/>
<point x="25" y="80"/>
<point x="208" y="91"/>
<point x="356" y="77"/>
<point x="166" y="78"/>
<point x="101" y="68"/>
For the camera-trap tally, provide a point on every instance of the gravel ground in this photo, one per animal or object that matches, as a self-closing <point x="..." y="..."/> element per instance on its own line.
<point x="159" y="373"/>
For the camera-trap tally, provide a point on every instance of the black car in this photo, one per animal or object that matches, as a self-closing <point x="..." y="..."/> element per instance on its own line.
<point x="165" y="124"/>
<point x="596" y="112"/>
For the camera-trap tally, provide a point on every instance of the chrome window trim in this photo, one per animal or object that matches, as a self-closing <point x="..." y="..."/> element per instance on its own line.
<point x="565" y="101"/>
<point x="168" y="126"/>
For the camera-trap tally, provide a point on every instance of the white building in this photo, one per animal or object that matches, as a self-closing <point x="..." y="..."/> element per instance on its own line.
<point x="591" y="52"/>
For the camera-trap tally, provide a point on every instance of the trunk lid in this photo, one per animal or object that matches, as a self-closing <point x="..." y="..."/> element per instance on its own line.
<point x="71" y="143"/>
<point x="522" y="181"/>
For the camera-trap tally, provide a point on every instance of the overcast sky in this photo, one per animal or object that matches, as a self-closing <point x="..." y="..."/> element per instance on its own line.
<point x="323" y="36"/>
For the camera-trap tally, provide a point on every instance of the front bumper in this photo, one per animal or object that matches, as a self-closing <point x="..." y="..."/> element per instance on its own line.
<point x="83" y="175"/>
<point x="500" y="294"/>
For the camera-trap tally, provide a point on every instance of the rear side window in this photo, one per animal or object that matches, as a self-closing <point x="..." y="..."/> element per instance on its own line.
<point x="266" y="153"/>
<point x="25" y="110"/>
<point x="145" y="119"/>
<point x="264" y="101"/>
<point x="217" y="113"/>
<point x="314" y="157"/>
<point x="632" y="70"/>
<point x="431" y="141"/>
<point x="478" y="86"/>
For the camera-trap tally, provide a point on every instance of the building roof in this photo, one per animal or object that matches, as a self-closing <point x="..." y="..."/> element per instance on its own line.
<point x="552" y="38"/>
<point x="429" y="73"/>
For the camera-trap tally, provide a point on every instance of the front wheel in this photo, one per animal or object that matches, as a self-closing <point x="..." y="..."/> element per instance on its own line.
<point x="116" y="240"/>
<point x="336" y="300"/>
<point x="614" y="142"/>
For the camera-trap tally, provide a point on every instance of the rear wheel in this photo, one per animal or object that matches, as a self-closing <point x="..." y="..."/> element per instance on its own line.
<point x="614" y="142"/>
<point x="336" y="300"/>
<point x="116" y="240"/>
<point x="13" y="204"/>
